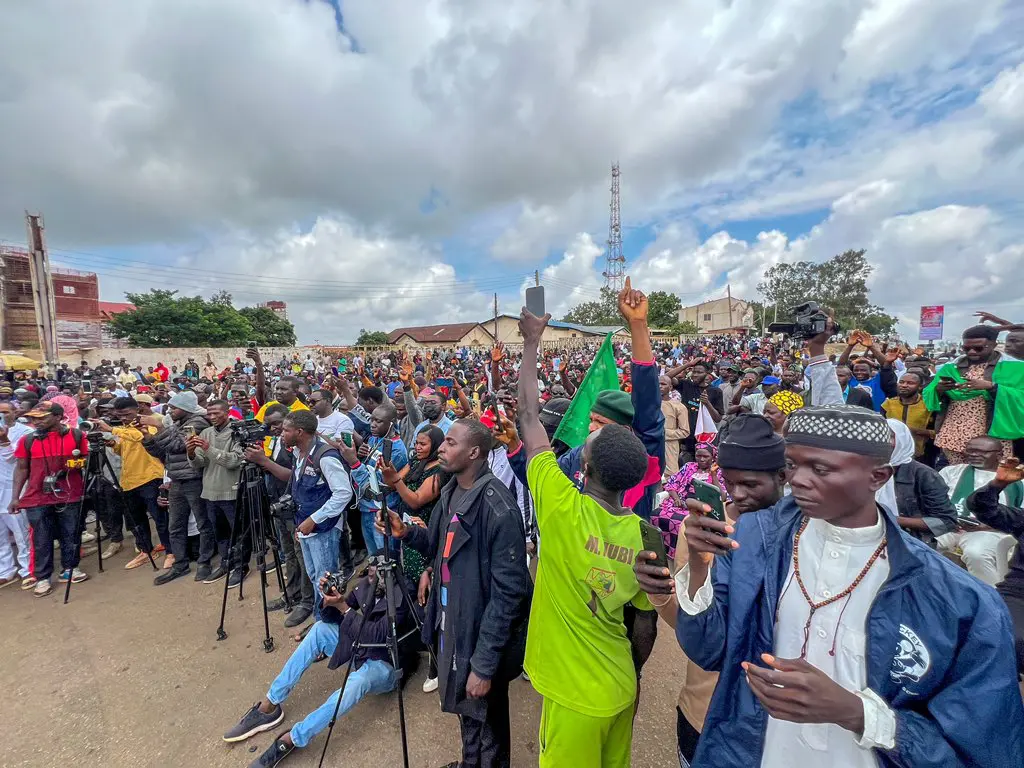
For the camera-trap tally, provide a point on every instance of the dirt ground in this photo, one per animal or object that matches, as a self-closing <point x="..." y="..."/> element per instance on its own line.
<point x="128" y="674"/>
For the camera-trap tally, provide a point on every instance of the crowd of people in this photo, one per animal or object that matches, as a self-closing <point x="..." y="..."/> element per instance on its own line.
<point x="859" y="602"/>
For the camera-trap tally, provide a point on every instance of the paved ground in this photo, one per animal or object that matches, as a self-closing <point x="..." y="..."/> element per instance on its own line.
<point x="128" y="674"/>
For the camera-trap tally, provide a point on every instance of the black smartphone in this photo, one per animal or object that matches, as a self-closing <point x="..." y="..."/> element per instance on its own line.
<point x="653" y="542"/>
<point x="535" y="300"/>
<point x="710" y="495"/>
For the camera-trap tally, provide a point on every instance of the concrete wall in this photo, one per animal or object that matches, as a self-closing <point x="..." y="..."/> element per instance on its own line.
<point x="179" y="356"/>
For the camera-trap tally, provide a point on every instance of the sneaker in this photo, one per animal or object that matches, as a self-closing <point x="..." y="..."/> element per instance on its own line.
<point x="430" y="685"/>
<point x="254" y="722"/>
<point x="203" y="572"/>
<point x="237" y="577"/>
<point x="140" y="559"/>
<point x="112" y="549"/>
<point x="28" y="582"/>
<point x="169" y="576"/>
<point x="76" y="576"/>
<point x="88" y="538"/>
<point x="159" y="549"/>
<point x="6" y="581"/>
<point x="275" y="753"/>
<point x="298" y="615"/>
<point x="86" y="551"/>
<point x="43" y="588"/>
<point x="90" y="518"/>
<point x="216" y="575"/>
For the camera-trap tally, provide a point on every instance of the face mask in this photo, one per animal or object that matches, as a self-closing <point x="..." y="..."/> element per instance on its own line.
<point x="431" y="409"/>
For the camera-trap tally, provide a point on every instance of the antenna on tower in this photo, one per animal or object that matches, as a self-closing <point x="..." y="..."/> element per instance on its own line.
<point x="615" y="263"/>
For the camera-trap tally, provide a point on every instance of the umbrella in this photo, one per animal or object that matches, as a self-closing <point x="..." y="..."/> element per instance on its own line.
<point x="15" y="362"/>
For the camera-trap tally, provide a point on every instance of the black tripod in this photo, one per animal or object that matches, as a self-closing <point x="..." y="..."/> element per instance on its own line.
<point x="388" y="566"/>
<point x="252" y="517"/>
<point x="96" y="463"/>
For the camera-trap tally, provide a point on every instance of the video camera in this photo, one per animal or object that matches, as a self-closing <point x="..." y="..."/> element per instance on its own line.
<point x="249" y="432"/>
<point x="810" y="321"/>
<point x="95" y="437"/>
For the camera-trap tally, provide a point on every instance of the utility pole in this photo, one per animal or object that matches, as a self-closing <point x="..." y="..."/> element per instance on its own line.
<point x="495" y="318"/>
<point x="728" y="294"/>
<point x="42" y="289"/>
<point x="536" y="277"/>
<point x="615" y="262"/>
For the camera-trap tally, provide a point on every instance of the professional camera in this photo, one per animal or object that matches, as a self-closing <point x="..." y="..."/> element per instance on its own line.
<point x="810" y="321"/>
<point x="284" y="507"/>
<point x="94" y="436"/>
<point x="249" y="432"/>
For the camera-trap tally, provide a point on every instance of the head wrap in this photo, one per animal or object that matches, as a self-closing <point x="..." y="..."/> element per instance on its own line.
<point x="846" y="428"/>
<point x="70" y="409"/>
<point x="707" y="447"/>
<point x="786" y="401"/>
<point x="903" y="453"/>
<point x="748" y="442"/>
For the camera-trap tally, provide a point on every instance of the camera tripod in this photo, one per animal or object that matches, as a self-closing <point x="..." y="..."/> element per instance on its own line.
<point x="388" y="566"/>
<point x="252" y="517"/>
<point x="93" y="474"/>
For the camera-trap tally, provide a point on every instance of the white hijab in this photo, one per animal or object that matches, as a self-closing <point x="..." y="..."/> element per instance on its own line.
<point x="903" y="453"/>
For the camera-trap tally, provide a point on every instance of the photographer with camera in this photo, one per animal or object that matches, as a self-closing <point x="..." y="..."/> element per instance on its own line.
<point x="185" y="493"/>
<point x="219" y="455"/>
<point x="48" y="486"/>
<point x="333" y="636"/>
<point x="320" y="491"/>
<point x="298" y="586"/>
<point x="141" y="476"/>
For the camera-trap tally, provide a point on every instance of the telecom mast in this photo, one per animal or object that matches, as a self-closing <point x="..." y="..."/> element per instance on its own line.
<point x="615" y="263"/>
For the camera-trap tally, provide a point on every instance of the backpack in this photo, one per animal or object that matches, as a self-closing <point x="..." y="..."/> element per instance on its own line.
<point x="29" y="441"/>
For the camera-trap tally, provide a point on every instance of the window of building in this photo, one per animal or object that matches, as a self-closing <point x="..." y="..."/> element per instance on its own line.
<point x="69" y="289"/>
<point x="707" y="317"/>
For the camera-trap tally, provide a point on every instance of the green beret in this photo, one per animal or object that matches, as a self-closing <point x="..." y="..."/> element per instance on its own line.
<point x="615" y="405"/>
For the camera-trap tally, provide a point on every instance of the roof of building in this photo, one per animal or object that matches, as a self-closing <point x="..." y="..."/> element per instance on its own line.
<point x="597" y="330"/>
<point x="444" y="334"/>
<point x="110" y="308"/>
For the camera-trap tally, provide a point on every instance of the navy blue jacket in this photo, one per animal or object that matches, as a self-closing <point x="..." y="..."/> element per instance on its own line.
<point x="962" y="709"/>
<point x="648" y="424"/>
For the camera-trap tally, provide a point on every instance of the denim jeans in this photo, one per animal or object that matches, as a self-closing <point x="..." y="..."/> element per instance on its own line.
<point x="374" y="539"/>
<point x="320" y="555"/>
<point x="59" y="522"/>
<point x="371" y="677"/>
<point x="184" y="497"/>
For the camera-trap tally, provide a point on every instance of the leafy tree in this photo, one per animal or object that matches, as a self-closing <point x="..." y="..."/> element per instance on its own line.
<point x="269" y="328"/>
<point x="163" y="319"/>
<point x="602" y="312"/>
<point x="663" y="309"/>
<point x="685" y="328"/>
<point x="371" y="338"/>
<point x="839" y="284"/>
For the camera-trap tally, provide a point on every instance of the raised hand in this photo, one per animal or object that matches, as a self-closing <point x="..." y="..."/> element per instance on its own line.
<point x="498" y="352"/>
<point x="632" y="304"/>
<point x="1009" y="471"/>
<point x="532" y="327"/>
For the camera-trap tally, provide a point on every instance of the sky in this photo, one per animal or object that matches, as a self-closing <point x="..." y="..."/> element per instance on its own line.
<point x="380" y="163"/>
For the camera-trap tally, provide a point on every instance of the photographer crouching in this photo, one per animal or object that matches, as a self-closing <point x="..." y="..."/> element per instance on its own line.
<point x="334" y="636"/>
<point x="320" y="489"/>
<point x="48" y="486"/>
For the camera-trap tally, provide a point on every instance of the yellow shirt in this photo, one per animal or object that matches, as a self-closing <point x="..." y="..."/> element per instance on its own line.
<point x="138" y="466"/>
<point x="916" y="416"/>
<point x="298" y="405"/>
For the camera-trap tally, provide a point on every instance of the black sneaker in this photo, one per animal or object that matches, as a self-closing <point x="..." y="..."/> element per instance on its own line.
<point x="277" y="604"/>
<point x="254" y="722"/>
<point x="275" y="753"/>
<point x="203" y="572"/>
<point x="237" y="577"/>
<point x="298" y="615"/>
<point x="216" y="575"/>
<point x="170" y="575"/>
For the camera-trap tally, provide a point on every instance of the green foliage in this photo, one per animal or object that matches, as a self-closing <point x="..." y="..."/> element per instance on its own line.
<point x="839" y="284"/>
<point x="163" y="319"/>
<point x="603" y="312"/>
<point x="371" y="338"/>
<point x="685" y="328"/>
<point x="663" y="309"/>
<point x="269" y="328"/>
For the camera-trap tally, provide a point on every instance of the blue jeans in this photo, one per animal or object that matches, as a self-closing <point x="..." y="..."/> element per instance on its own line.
<point x="371" y="677"/>
<point x="48" y="523"/>
<point x="374" y="540"/>
<point x="320" y="555"/>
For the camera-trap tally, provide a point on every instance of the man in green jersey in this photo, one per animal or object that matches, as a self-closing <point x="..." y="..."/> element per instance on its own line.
<point x="577" y="653"/>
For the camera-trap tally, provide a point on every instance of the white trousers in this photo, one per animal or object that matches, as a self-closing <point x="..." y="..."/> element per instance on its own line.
<point x="985" y="553"/>
<point x="16" y="525"/>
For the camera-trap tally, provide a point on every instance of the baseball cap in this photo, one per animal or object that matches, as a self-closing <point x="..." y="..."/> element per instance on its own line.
<point x="45" y="409"/>
<point x="143" y="398"/>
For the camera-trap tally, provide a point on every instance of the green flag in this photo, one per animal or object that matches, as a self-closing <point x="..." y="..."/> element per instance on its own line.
<point x="575" y="425"/>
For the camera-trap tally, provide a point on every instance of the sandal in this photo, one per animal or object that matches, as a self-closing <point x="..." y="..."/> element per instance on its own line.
<point x="300" y="636"/>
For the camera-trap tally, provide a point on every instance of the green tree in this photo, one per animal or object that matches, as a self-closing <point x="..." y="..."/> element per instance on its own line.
<point x="663" y="309"/>
<point x="269" y="328"/>
<point x="602" y="312"/>
<point x="839" y="284"/>
<point x="685" y="328"/>
<point x="371" y="338"/>
<point x="163" y="319"/>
